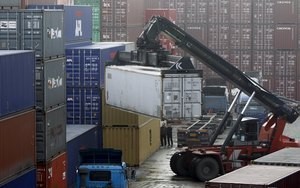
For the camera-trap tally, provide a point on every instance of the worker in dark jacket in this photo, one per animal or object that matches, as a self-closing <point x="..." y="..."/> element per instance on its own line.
<point x="169" y="136"/>
<point x="163" y="134"/>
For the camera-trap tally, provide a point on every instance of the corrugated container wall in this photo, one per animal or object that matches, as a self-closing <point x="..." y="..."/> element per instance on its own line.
<point x="174" y="95"/>
<point x="25" y="179"/>
<point x="13" y="4"/>
<point x="96" y="16"/>
<point x="17" y="80"/>
<point x="50" y="83"/>
<point x="84" y="105"/>
<point x="53" y="173"/>
<point x="79" y="137"/>
<point x="39" y="30"/>
<point x="137" y="142"/>
<point x="50" y="133"/>
<point x="86" y="64"/>
<point x="285" y="11"/>
<point x="17" y="144"/>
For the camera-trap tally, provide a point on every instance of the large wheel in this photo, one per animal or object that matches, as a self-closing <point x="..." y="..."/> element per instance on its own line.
<point x="207" y="169"/>
<point x="193" y="165"/>
<point x="173" y="162"/>
<point x="181" y="165"/>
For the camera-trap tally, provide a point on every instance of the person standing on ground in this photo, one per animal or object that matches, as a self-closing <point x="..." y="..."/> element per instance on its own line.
<point x="169" y="135"/>
<point x="163" y="134"/>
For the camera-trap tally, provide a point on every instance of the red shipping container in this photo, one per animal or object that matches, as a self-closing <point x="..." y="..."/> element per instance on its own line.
<point x="285" y="37"/>
<point x="17" y="143"/>
<point x="285" y="11"/>
<point x="167" y="13"/>
<point x="52" y="174"/>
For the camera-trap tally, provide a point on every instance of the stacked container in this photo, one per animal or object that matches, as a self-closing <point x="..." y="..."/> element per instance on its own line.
<point x="96" y="16"/>
<point x="17" y="102"/>
<point x="85" y="78"/>
<point x="17" y="4"/>
<point x="79" y="137"/>
<point x="167" y="13"/>
<point x="42" y="31"/>
<point x="254" y="35"/>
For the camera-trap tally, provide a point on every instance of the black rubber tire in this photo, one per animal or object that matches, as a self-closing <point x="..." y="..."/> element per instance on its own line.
<point x="173" y="162"/>
<point x="207" y="169"/>
<point x="192" y="167"/>
<point x="181" y="164"/>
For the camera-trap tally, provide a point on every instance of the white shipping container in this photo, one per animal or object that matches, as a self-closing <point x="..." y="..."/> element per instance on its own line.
<point x="156" y="92"/>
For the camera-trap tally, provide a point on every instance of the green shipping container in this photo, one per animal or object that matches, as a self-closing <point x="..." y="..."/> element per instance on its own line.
<point x="96" y="13"/>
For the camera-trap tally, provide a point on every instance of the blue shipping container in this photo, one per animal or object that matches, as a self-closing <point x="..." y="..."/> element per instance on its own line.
<point x="84" y="106"/>
<point x="17" y="78"/>
<point x="26" y="179"/>
<point x="77" y="23"/>
<point x="79" y="137"/>
<point x="86" y="65"/>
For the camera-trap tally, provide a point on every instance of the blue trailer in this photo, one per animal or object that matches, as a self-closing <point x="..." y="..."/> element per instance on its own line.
<point x="102" y="168"/>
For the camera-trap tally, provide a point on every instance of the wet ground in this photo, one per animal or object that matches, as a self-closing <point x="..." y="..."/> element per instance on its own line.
<point x="155" y="172"/>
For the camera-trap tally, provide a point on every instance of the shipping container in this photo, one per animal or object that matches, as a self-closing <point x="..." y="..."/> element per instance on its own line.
<point x="241" y="59"/>
<point x="39" y="30"/>
<point x="167" y="13"/>
<point x="263" y="36"/>
<point x="174" y="94"/>
<point x="285" y="37"/>
<point x="65" y="2"/>
<point x="17" y="144"/>
<point x="17" y="4"/>
<point x="218" y="36"/>
<point x="263" y="11"/>
<point x="16" y="81"/>
<point x="84" y="105"/>
<point x="258" y="176"/>
<point x="283" y="157"/>
<point x="285" y="11"/>
<point x="285" y="86"/>
<point x="53" y="173"/>
<point x="240" y="11"/>
<point x="85" y="65"/>
<point x="285" y="63"/>
<point x="133" y="32"/>
<point x="24" y="179"/>
<point x="135" y="11"/>
<point x="50" y="83"/>
<point x="79" y="137"/>
<point x="137" y="142"/>
<point x="263" y="60"/>
<point x="50" y="133"/>
<point x="198" y="31"/>
<point x="218" y="11"/>
<point x="129" y="46"/>
<point x="77" y="23"/>
<point x="240" y="36"/>
<point x="96" y="16"/>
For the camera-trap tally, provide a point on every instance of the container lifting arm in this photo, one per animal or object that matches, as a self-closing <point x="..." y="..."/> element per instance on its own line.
<point x="148" y="40"/>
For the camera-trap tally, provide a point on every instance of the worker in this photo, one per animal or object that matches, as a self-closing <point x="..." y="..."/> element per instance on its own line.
<point x="163" y="134"/>
<point x="169" y="135"/>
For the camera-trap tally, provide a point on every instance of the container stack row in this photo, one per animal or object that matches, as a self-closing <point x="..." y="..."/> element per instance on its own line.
<point x="259" y="35"/>
<point x="17" y="118"/>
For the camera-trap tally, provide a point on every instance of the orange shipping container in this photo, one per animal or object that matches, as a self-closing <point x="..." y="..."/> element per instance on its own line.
<point x="52" y="174"/>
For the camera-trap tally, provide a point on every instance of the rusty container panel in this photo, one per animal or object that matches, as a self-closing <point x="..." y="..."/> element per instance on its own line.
<point x="285" y="37"/>
<point x="263" y="60"/>
<point x="53" y="173"/>
<point x="137" y="142"/>
<point x="135" y="11"/>
<point x="285" y="11"/>
<point x="17" y="143"/>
